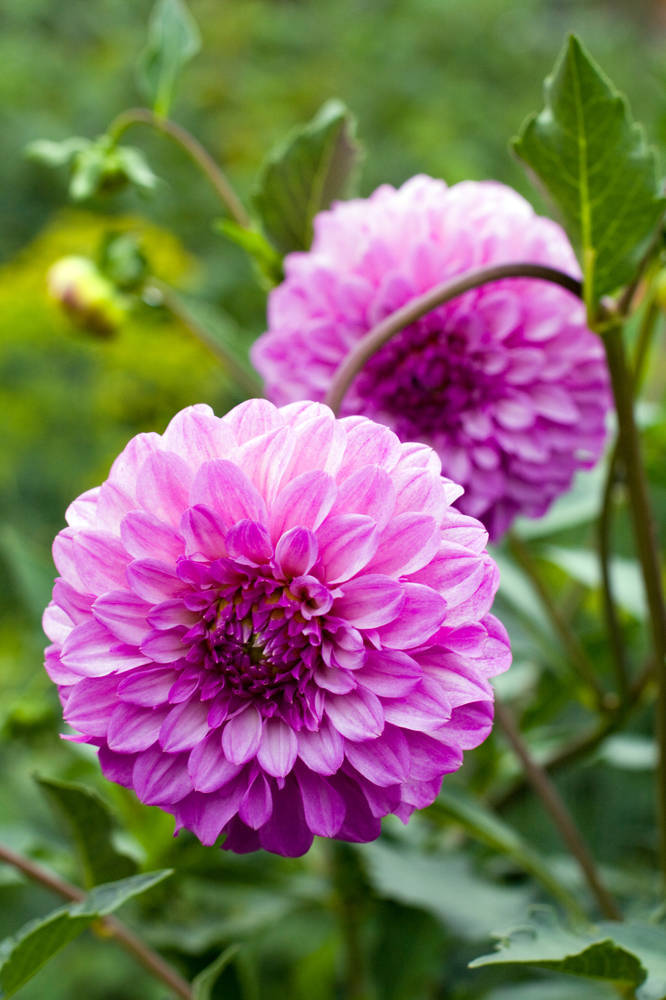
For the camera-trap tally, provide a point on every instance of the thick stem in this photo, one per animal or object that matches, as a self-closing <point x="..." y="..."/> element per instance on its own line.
<point x="198" y="153"/>
<point x="437" y="296"/>
<point x="646" y="544"/>
<point x="177" y="308"/>
<point x="613" y="626"/>
<point x="574" y="650"/>
<point x="558" y="812"/>
<point x="149" y="959"/>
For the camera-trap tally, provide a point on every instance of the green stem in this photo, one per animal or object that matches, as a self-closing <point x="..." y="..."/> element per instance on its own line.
<point x="194" y="149"/>
<point x="646" y="544"/>
<point x="613" y="626"/>
<point x="554" y="805"/>
<point x="347" y="878"/>
<point x="572" y="647"/>
<point x="149" y="959"/>
<point x="172" y="301"/>
<point x="423" y="304"/>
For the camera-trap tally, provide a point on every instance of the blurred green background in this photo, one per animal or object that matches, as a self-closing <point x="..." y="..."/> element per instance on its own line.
<point x="438" y="86"/>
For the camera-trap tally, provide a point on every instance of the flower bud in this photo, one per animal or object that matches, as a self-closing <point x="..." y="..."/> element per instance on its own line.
<point x="90" y="300"/>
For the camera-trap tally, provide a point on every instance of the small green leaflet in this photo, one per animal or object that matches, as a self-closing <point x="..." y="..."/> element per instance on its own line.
<point x="629" y="955"/>
<point x="91" y="825"/>
<point x="316" y="164"/>
<point x="25" y="954"/>
<point x="593" y="161"/>
<point x="173" y="39"/>
<point x="202" y="985"/>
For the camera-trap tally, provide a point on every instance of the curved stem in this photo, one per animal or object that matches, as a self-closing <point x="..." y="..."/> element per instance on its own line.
<point x="613" y="626"/>
<point x="572" y="646"/>
<point x="622" y="382"/>
<point x="437" y="296"/>
<point x="558" y="812"/>
<point x="149" y="959"/>
<point x="177" y="308"/>
<point x="194" y="149"/>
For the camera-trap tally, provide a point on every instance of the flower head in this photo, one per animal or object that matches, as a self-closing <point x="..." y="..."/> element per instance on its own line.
<point x="505" y="382"/>
<point x="274" y="625"/>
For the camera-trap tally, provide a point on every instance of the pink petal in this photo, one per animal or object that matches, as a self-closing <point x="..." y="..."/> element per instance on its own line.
<point x="197" y="435"/>
<point x="370" y="601"/>
<point x="252" y="418"/>
<point x="146" y="537"/>
<point x="163" y="486"/>
<point x="242" y="736"/>
<point x="369" y="444"/>
<point x="100" y="560"/>
<point x="125" y="468"/>
<point x="257" y="804"/>
<point x="408" y="543"/>
<point x="423" y="710"/>
<point x="207" y="815"/>
<point x="389" y="673"/>
<point x="421" y="615"/>
<point x="56" y="623"/>
<point x="304" y="502"/>
<point x="154" y="581"/>
<point x="82" y="512"/>
<point x="384" y="761"/>
<point x="90" y="704"/>
<point x="278" y="748"/>
<point x="370" y="491"/>
<point x="222" y="486"/>
<point x="147" y="687"/>
<point x="204" y="532"/>
<point x="250" y="541"/>
<point x="296" y="552"/>
<point x="164" y="647"/>
<point x="124" y="614"/>
<point x="418" y="490"/>
<point x="347" y="542"/>
<point x="92" y="651"/>
<point x="357" y="715"/>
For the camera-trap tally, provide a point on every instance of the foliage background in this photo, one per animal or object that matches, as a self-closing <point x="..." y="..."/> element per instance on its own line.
<point x="438" y="86"/>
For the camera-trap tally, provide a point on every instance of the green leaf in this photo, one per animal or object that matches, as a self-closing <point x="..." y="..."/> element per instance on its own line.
<point x="266" y="259"/>
<point x="173" y="39"/>
<point x="584" y="566"/>
<point x="202" y="985"/>
<point x="594" y="163"/>
<point x="55" y="154"/>
<point x="485" y="826"/>
<point x="26" y="953"/>
<point x="315" y="165"/>
<point x="91" y="825"/>
<point x="445" y="885"/>
<point x="629" y="955"/>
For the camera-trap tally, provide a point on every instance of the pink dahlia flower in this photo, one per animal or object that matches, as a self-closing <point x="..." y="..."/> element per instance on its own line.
<point x="505" y="382"/>
<point x="275" y="625"/>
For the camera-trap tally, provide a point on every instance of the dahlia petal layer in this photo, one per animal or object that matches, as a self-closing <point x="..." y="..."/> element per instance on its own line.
<point x="506" y="382"/>
<point x="275" y="649"/>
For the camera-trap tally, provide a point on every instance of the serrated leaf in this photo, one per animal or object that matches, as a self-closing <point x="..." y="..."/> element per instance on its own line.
<point x="485" y="826"/>
<point x="202" y="985"/>
<point x="444" y="885"/>
<point x="29" y="950"/>
<point x="629" y="955"/>
<point x="593" y="160"/>
<point x="91" y="825"/>
<point x="302" y="176"/>
<point x="173" y="39"/>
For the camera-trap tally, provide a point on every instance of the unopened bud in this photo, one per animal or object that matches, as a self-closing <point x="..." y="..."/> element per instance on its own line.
<point x="90" y="300"/>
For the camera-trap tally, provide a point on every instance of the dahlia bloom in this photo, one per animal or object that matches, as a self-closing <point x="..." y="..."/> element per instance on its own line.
<point x="506" y="382"/>
<point x="274" y="625"/>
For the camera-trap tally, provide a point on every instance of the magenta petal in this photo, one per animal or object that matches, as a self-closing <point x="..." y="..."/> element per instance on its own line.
<point x="90" y="704"/>
<point x="249" y="541"/>
<point x="384" y="761"/>
<point x="321" y="751"/>
<point x="252" y="418"/>
<point x="92" y="651"/>
<point x="117" y="767"/>
<point x="430" y="758"/>
<point x="82" y="512"/>
<point x="389" y="673"/>
<point x="242" y="735"/>
<point x="296" y="552"/>
<point x="184" y="727"/>
<point x="287" y="832"/>
<point x="208" y="767"/>
<point x="421" y="616"/>
<point x="370" y="600"/>
<point x="154" y="581"/>
<point x="147" y="537"/>
<point x="160" y="778"/>
<point x="357" y="715"/>
<point x="424" y="709"/>
<point x="278" y="748"/>
<point x="347" y="542"/>
<point x="163" y="486"/>
<point x="124" y="614"/>
<point x="132" y="728"/>
<point x="257" y="804"/>
<point x="146" y="687"/>
<point x="197" y="435"/>
<point x="164" y="647"/>
<point x="370" y="491"/>
<point x="324" y="808"/>
<point x="100" y="560"/>
<point x="224" y="488"/>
